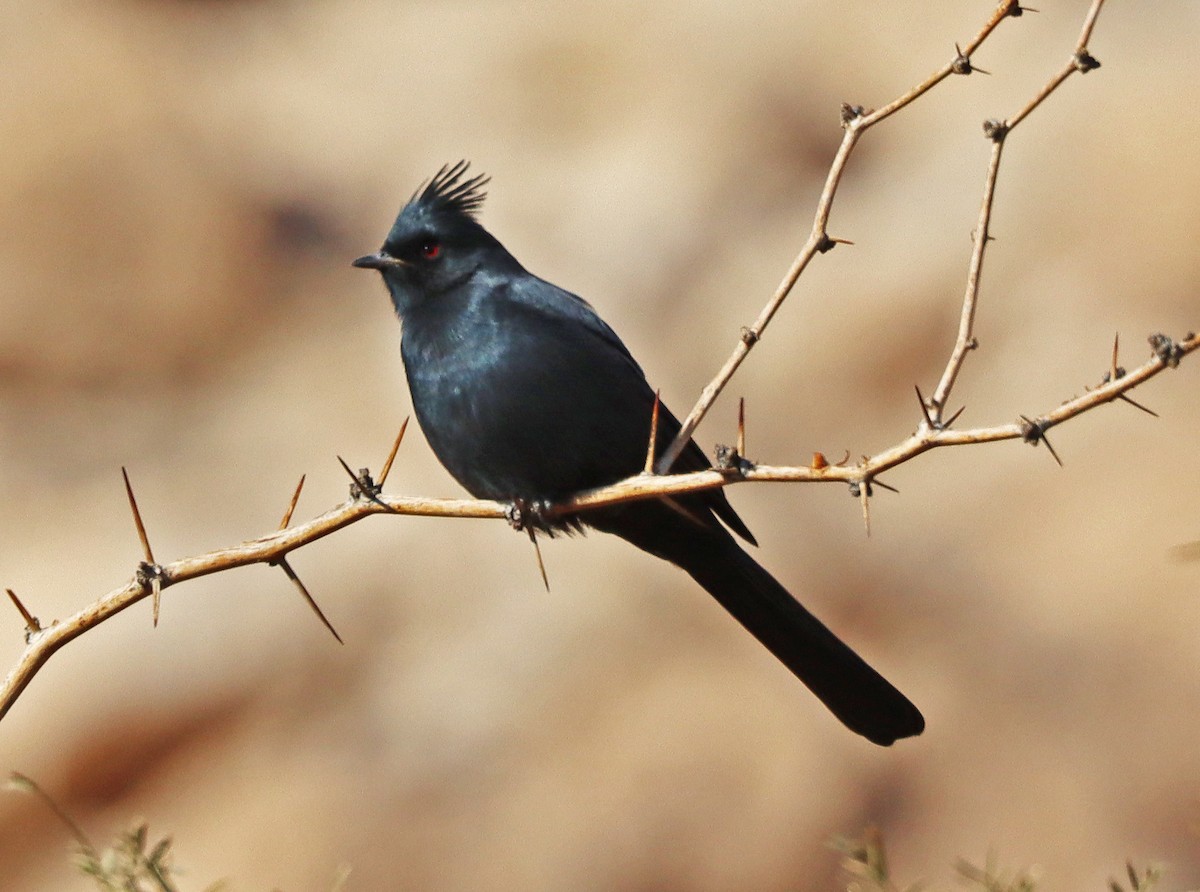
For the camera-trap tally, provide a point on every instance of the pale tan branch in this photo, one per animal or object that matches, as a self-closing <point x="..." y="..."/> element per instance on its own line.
<point x="925" y="439"/>
<point x="998" y="132"/>
<point x="44" y="641"/>
<point x="855" y="122"/>
<point x="965" y="342"/>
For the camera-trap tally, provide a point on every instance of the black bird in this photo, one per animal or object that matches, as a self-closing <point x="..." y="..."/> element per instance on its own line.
<point x="526" y="395"/>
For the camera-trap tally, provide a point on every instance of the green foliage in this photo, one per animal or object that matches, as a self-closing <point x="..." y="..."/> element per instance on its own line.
<point x="865" y="861"/>
<point x="127" y="866"/>
<point x="130" y="864"/>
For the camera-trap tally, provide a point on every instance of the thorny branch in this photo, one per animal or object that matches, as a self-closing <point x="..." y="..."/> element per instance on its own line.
<point x="855" y="122"/>
<point x="933" y="430"/>
<point x="997" y="131"/>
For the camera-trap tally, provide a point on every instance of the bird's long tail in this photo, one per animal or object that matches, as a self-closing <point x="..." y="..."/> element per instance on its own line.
<point x="858" y="695"/>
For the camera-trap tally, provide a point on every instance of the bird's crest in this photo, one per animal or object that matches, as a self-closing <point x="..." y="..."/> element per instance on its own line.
<point x="448" y="192"/>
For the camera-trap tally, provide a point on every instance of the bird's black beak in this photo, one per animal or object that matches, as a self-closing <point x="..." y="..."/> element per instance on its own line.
<point x="380" y="261"/>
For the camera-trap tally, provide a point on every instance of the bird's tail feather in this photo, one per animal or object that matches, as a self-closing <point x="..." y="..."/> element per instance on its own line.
<point x="858" y="695"/>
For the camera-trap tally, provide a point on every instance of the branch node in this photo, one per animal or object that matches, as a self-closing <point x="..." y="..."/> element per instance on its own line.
<point x="1166" y="350"/>
<point x="1033" y="432"/>
<point x="731" y="461"/>
<point x="962" y="63"/>
<point x="1084" y="62"/>
<point x="825" y="244"/>
<point x="749" y="336"/>
<point x="363" y="487"/>
<point x="995" y="130"/>
<point x="851" y="113"/>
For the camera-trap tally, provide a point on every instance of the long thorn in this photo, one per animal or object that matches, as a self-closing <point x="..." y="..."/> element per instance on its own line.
<point x="387" y="465"/>
<point x="137" y="519"/>
<point x="878" y="482"/>
<point x="156" y="588"/>
<point x="650" y="447"/>
<point x="1137" y="405"/>
<point x="537" y="550"/>
<point x="741" y="437"/>
<point x="1051" y="448"/>
<point x="291" y="574"/>
<point x="953" y="418"/>
<point x="1113" y="371"/>
<point x="287" y="515"/>
<point x="31" y="621"/>
<point x="924" y="408"/>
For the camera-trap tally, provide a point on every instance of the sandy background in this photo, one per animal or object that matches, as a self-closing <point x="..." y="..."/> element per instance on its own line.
<point x="183" y="187"/>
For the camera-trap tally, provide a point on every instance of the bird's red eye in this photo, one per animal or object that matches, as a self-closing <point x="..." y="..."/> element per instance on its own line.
<point x="430" y="249"/>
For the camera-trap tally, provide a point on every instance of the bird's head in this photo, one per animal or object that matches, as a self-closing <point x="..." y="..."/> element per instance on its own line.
<point x="436" y="244"/>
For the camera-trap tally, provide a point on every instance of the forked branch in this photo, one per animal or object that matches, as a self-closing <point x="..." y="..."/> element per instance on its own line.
<point x="933" y="430"/>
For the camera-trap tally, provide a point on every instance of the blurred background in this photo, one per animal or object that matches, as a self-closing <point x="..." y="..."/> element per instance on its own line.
<point x="183" y="187"/>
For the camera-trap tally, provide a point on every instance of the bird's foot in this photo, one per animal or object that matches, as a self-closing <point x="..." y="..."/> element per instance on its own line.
<point x="530" y="514"/>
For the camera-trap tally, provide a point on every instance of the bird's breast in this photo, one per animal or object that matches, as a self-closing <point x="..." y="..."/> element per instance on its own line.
<point x="520" y="408"/>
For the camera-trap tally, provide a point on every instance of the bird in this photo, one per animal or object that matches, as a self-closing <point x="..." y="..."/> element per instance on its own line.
<point x="527" y="396"/>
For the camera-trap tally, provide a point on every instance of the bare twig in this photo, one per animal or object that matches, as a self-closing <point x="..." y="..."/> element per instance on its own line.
<point x="270" y="549"/>
<point x="855" y="122"/>
<point x="267" y="550"/>
<point x="998" y="132"/>
<point x="923" y="440"/>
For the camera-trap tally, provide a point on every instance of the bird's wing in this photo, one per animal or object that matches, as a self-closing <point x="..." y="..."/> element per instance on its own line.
<point x="554" y="301"/>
